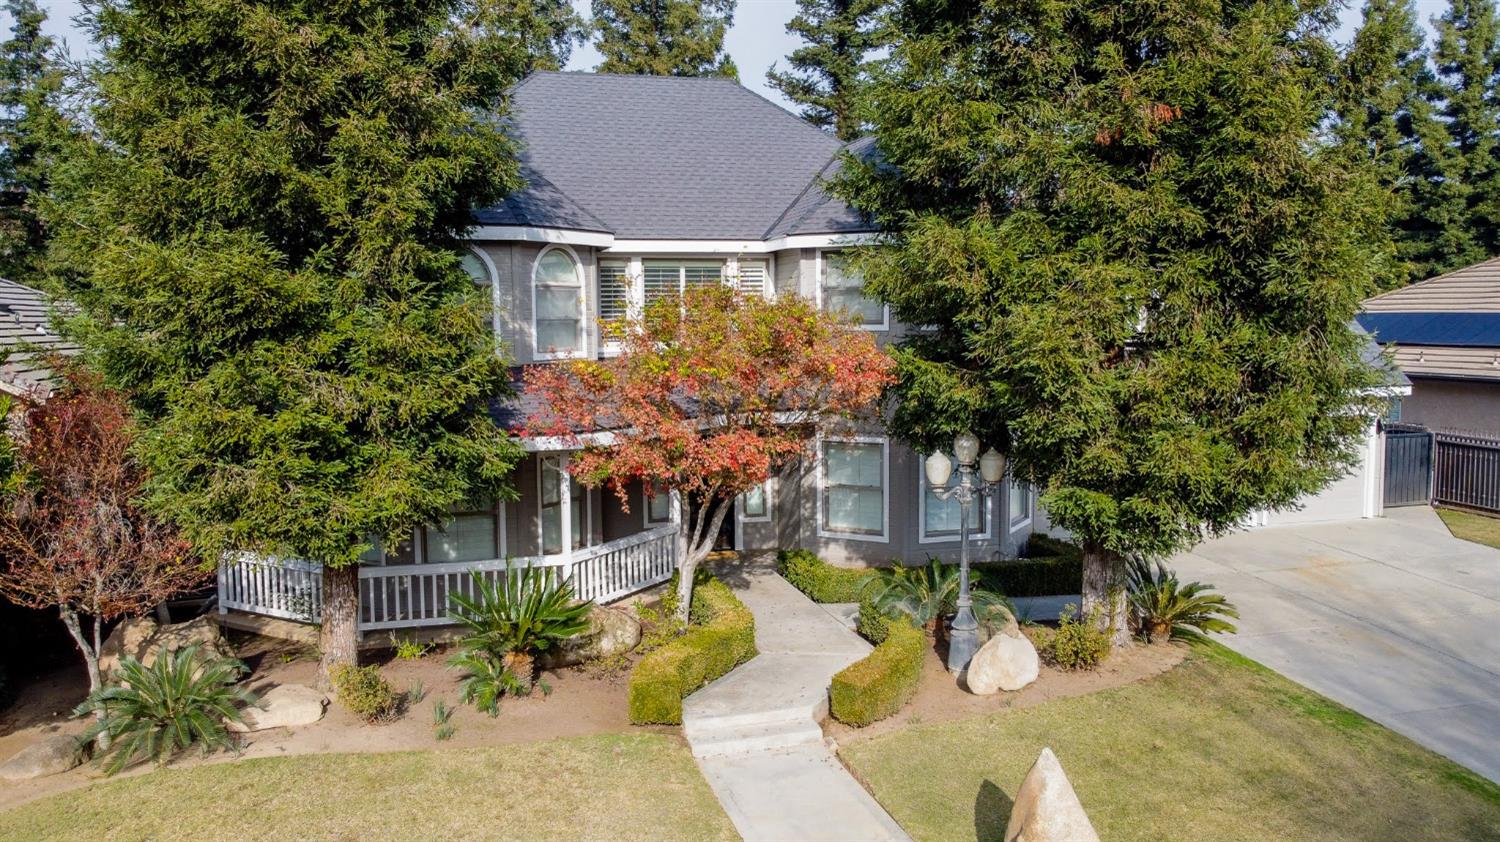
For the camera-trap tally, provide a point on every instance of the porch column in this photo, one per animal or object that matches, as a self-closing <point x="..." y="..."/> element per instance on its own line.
<point x="565" y="508"/>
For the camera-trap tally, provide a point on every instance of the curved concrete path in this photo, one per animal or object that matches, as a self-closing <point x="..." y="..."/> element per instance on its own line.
<point x="755" y="732"/>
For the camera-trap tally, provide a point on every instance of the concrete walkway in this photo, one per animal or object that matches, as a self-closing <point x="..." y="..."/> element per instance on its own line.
<point x="1393" y="617"/>
<point x="755" y="731"/>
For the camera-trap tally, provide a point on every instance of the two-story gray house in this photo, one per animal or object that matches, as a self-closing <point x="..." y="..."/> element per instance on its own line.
<point x="638" y="187"/>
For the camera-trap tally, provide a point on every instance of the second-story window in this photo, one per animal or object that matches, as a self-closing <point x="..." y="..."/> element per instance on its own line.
<point x="841" y="290"/>
<point x="558" y="287"/>
<point x="668" y="278"/>
<point x="479" y="269"/>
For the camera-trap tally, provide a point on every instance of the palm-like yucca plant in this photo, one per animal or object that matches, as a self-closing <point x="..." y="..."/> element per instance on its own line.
<point x="515" y="616"/>
<point x="928" y="594"/>
<point x="181" y="700"/>
<point x="486" y="679"/>
<point x="1164" y="607"/>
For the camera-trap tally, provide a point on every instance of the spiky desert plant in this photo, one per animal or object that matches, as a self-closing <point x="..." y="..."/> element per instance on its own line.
<point x="930" y="593"/>
<point x="1164" y="607"/>
<point x="514" y="616"/>
<point x="182" y="699"/>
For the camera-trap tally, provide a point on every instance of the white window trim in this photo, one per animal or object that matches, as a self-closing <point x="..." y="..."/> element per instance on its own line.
<point x="768" y="489"/>
<point x="885" y="489"/>
<point x="564" y="507"/>
<point x="583" y="308"/>
<point x="646" y="496"/>
<point x="885" y="310"/>
<point x="489" y="266"/>
<point x="985" y="505"/>
<point x="1010" y="488"/>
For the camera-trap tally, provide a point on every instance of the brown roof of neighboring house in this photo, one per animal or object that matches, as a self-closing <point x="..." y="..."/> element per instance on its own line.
<point x="26" y="338"/>
<point x="1472" y="289"/>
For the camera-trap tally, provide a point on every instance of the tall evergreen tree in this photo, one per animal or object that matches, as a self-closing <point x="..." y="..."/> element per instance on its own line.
<point x="263" y="246"/>
<point x="1140" y="263"/>
<point x="545" y="30"/>
<point x="1468" y="69"/>
<point x="664" y="37"/>
<point x="832" y="70"/>
<point x="1384" y="109"/>
<point x="31" y="129"/>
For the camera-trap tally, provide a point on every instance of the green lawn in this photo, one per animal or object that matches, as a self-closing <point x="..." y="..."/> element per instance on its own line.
<point x="1218" y="749"/>
<point x="636" y="786"/>
<point x="1481" y="529"/>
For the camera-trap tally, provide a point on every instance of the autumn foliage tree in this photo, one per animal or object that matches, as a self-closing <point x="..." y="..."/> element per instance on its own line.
<point x="709" y="395"/>
<point x="73" y="535"/>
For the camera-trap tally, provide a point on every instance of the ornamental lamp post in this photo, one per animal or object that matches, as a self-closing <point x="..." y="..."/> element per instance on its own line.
<point x="963" y="636"/>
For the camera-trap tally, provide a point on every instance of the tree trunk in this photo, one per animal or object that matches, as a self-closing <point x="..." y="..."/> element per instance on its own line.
<point x="708" y="520"/>
<point x="90" y="652"/>
<point x="1104" y="591"/>
<point x="338" y="639"/>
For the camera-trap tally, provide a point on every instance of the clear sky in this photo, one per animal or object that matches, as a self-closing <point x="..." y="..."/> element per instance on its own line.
<point x="757" y="39"/>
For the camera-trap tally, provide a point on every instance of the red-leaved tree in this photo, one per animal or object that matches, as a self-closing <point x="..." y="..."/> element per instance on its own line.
<point x="709" y="395"/>
<point x="73" y="534"/>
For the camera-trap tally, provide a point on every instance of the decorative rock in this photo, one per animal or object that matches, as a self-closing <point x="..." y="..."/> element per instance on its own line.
<point x="1046" y="808"/>
<point x="1005" y="662"/>
<point x="611" y="632"/>
<point x="50" y="756"/>
<point x="282" y="706"/>
<point x="141" y="638"/>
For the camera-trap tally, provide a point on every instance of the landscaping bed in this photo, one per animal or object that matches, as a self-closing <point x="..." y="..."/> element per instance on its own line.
<point x="621" y="786"/>
<point x="1218" y="748"/>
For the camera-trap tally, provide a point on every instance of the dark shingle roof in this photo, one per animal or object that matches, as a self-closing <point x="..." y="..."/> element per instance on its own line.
<point x="816" y="212"/>
<point x="26" y="334"/>
<point x="666" y="157"/>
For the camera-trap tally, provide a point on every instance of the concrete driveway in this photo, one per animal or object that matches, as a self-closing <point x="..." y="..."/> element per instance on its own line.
<point x="1393" y="617"/>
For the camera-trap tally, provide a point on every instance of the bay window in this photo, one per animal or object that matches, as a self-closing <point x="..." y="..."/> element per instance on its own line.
<point x="841" y="290"/>
<point x="1019" y="494"/>
<point x="940" y="518"/>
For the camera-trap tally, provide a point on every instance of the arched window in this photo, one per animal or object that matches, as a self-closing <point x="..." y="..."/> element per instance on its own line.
<point x="557" y="290"/>
<point x="479" y="267"/>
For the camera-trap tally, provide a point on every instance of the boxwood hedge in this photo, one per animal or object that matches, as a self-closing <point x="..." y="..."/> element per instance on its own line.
<point x="878" y="685"/>
<point x="722" y="642"/>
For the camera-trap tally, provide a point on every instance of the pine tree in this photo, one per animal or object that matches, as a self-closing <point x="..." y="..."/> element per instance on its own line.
<point x="1140" y="262"/>
<point x="31" y="128"/>
<point x="832" y="70"/>
<point x="263" y="246"/>
<point x="545" y="30"/>
<point x="1384" y="110"/>
<point x="664" y="37"/>
<point x="1467" y="191"/>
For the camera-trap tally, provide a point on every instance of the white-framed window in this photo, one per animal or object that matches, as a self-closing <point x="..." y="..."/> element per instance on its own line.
<point x="480" y="268"/>
<point x="469" y="535"/>
<point x="755" y="504"/>
<point x="552" y="477"/>
<point x="614" y="290"/>
<point x="1018" y="504"/>
<point x="938" y="519"/>
<point x="841" y="290"/>
<point x="853" y="488"/>
<point x="379" y="555"/>
<point x="658" y="504"/>
<point x="558" y="304"/>
<point x="752" y="277"/>
<point x="668" y="278"/>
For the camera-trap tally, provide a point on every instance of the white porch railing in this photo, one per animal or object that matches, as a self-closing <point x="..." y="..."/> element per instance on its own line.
<point x="417" y="594"/>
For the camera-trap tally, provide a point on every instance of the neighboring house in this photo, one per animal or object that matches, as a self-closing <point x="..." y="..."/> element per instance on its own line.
<point x="1445" y="336"/>
<point x="26" y="339"/>
<point x="639" y="187"/>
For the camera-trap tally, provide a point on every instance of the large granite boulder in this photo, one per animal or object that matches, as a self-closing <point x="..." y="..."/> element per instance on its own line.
<point x="1007" y="661"/>
<point x="142" y="638"/>
<point x="1046" y="807"/>
<point x="283" y="706"/>
<point x="49" y="756"/>
<point x="611" y="632"/>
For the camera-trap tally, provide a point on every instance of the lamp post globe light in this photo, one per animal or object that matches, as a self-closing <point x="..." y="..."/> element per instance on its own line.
<point x="963" y="632"/>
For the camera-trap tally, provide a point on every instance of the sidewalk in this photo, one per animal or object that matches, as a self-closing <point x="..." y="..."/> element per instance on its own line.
<point x="755" y="731"/>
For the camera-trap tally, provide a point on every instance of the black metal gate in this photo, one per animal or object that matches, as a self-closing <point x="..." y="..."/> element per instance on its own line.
<point x="1408" y="466"/>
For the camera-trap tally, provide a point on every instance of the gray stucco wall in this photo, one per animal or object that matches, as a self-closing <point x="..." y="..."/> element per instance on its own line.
<point x="1453" y="404"/>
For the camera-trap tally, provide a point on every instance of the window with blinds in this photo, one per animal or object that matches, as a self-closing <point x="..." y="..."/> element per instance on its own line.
<point x="853" y="488"/>
<point x="557" y="289"/>
<point x="665" y="278"/>
<point x="752" y="277"/>
<point x="614" y="290"/>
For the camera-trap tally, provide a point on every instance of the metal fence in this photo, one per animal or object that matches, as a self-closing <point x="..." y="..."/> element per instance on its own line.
<point x="1466" y="471"/>
<point x="1408" y="466"/>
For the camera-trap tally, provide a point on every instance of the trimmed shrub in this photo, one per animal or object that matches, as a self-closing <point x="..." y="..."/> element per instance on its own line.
<point x="365" y="692"/>
<point x="1077" y="644"/>
<point x="874" y="624"/>
<point x="1039" y="545"/>
<point x="821" y="581"/>
<point x="871" y="689"/>
<point x="1051" y="576"/>
<point x="727" y="639"/>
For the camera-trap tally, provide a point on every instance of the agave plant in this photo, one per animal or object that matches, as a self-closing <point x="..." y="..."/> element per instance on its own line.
<point x="928" y="594"/>
<point x="515" y="616"/>
<point x="182" y="699"/>
<point x="1164" y="607"/>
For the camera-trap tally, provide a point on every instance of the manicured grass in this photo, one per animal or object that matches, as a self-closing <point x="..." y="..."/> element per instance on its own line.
<point x="1481" y="529"/>
<point x="1219" y="748"/>
<point x="635" y="786"/>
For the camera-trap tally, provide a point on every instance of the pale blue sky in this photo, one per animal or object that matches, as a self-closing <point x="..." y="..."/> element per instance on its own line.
<point x="757" y="38"/>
